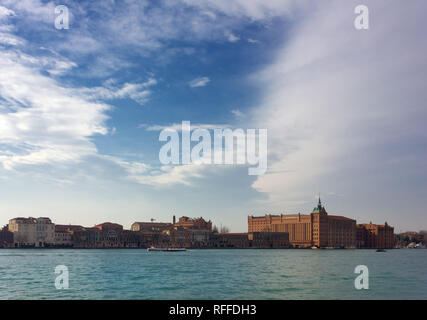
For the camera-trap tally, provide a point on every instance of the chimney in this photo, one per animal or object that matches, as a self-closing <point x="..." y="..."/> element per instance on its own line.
<point x="174" y="220"/>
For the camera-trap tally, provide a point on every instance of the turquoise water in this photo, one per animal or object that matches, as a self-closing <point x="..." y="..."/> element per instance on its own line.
<point x="213" y="274"/>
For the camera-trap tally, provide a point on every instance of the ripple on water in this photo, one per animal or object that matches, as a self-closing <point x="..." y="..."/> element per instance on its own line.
<point x="212" y="274"/>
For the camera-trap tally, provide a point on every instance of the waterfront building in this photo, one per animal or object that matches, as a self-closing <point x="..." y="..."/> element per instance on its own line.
<point x="231" y="240"/>
<point x="187" y="232"/>
<point x="199" y="238"/>
<point x="269" y="240"/>
<point x="151" y="238"/>
<point x="109" y="235"/>
<point x="151" y="226"/>
<point x="32" y="232"/>
<point x="86" y="238"/>
<point x="179" y="237"/>
<point x="196" y="223"/>
<point x="64" y="234"/>
<point x="375" y="236"/>
<point x="130" y="239"/>
<point x="63" y="238"/>
<point x="6" y="238"/>
<point x="305" y="230"/>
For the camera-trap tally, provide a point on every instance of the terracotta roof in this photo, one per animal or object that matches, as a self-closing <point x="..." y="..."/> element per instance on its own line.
<point x="340" y="218"/>
<point x="108" y="224"/>
<point x="153" y="223"/>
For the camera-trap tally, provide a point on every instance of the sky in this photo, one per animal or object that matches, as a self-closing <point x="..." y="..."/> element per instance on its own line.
<point x="81" y="109"/>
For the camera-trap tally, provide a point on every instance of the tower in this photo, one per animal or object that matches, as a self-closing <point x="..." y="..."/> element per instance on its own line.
<point x="319" y="218"/>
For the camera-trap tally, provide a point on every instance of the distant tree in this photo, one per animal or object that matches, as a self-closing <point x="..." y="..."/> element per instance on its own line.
<point x="215" y="229"/>
<point x="224" y="229"/>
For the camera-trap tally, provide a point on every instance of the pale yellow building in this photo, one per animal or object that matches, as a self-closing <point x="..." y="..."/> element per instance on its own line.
<point x="32" y="232"/>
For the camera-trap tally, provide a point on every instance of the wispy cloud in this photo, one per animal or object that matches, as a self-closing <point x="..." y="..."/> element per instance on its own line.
<point x="237" y="113"/>
<point x="199" y="82"/>
<point x="42" y="122"/>
<point x="136" y="91"/>
<point x="4" y="12"/>
<point x="250" y="40"/>
<point x="169" y="175"/>
<point x="231" y="37"/>
<point x="178" y="126"/>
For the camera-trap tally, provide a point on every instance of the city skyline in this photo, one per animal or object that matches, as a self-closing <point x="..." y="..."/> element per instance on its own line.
<point x="154" y="220"/>
<point x="319" y="229"/>
<point x="81" y="109"/>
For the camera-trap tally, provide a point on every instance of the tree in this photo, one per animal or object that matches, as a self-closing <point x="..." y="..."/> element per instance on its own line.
<point x="224" y="229"/>
<point x="215" y="229"/>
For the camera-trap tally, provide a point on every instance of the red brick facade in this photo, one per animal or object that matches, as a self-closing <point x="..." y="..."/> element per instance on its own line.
<point x="315" y="229"/>
<point x="375" y="236"/>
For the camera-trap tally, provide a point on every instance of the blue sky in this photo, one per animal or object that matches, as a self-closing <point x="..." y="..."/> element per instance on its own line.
<point x="345" y="109"/>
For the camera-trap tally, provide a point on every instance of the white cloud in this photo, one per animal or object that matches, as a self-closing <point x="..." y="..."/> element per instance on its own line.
<point x="237" y="113"/>
<point x="178" y="126"/>
<point x="169" y="175"/>
<point x="32" y="10"/>
<point x="231" y="37"/>
<point x="135" y="91"/>
<point x="47" y="123"/>
<point x="199" y="82"/>
<point x="42" y="122"/>
<point x="164" y="176"/>
<point x="4" y="12"/>
<point x="254" y="9"/>
<point x="338" y="100"/>
<point x="250" y="40"/>
<point x="8" y="39"/>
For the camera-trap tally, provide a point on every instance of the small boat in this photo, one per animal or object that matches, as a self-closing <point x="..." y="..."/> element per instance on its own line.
<point x="314" y="247"/>
<point x="167" y="249"/>
<point x="381" y="250"/>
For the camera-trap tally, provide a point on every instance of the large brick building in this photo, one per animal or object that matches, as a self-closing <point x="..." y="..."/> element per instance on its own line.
<point x="375" y="236"/>
<point x="305" y="230"/>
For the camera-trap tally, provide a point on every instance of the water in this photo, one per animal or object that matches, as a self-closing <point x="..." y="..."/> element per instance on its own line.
<point x="212" y="274"/>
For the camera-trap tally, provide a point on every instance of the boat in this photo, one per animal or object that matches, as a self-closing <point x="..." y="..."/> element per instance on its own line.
<point x="314" y="247"/>
<point x="381" y="250"/>
<point x="166" y="249"/>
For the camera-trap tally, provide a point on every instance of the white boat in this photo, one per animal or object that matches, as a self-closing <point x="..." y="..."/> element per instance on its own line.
<point x="167" y="249"/>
